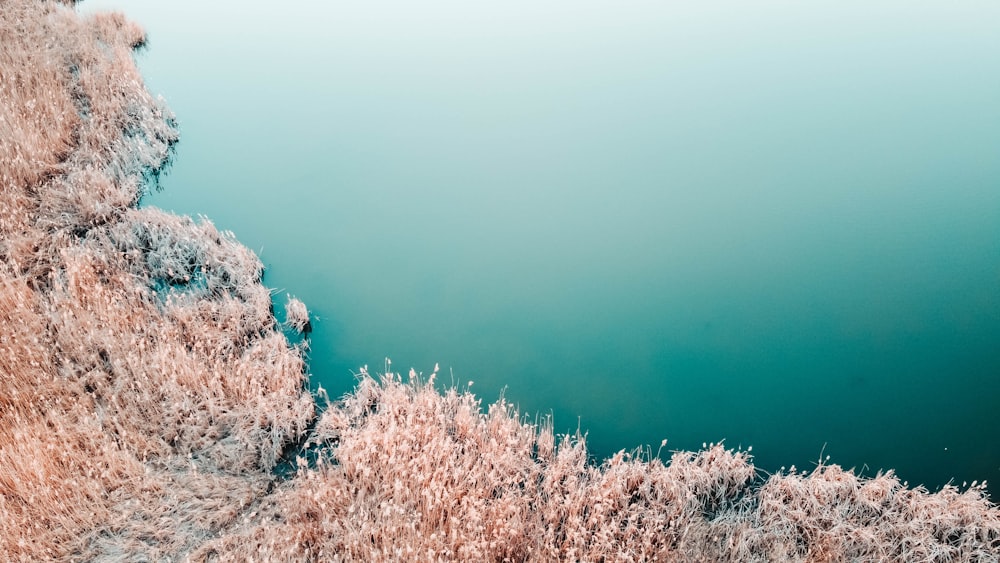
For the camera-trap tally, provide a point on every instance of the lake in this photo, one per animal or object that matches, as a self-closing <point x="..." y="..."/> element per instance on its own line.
<point x="775" y="225"/>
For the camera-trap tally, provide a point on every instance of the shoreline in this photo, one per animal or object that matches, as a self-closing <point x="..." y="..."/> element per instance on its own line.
<point x="149" y="393"/>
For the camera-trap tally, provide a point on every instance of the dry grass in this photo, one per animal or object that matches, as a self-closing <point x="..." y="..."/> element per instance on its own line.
<point x="297" y="315"/>
<point x="146" y="392"/>
<point x="411" y="473"/>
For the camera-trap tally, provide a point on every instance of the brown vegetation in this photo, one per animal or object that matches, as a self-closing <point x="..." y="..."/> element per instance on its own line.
<point x="415" y="474"/>
<point x="147" y="393"/>
<point x="297" y="315"/>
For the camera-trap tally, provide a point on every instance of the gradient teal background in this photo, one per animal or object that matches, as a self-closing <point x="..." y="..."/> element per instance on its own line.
<point x="776" y="224"/>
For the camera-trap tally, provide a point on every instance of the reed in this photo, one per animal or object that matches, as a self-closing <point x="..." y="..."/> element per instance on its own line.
<point x="410" y="472"/>
<point x="135" y="402"/>
<point x="147" y="393"/>
<point x="297" y="315"/>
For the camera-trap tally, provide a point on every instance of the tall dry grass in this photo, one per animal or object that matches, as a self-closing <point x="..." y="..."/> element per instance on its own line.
<point x="147" y="393"/>
<point x="297" y="315"/>
<point x="412" y="473"/>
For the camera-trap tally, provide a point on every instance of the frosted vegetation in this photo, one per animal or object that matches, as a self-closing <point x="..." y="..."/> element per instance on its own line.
<point x="148" y="395"/>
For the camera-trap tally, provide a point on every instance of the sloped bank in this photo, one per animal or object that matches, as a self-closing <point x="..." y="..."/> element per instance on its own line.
<point x="147" y="392"/>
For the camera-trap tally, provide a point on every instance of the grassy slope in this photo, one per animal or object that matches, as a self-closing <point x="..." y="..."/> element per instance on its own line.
<point x="146" y="393"/>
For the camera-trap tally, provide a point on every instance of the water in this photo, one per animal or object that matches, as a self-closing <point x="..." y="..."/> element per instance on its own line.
<point x="778" y="226"/>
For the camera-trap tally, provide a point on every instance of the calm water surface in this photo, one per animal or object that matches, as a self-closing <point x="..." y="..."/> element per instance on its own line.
<point x="778" y="226"/>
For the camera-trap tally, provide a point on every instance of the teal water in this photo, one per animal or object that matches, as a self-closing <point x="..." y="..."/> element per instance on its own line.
<point x="775" y="225"/>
